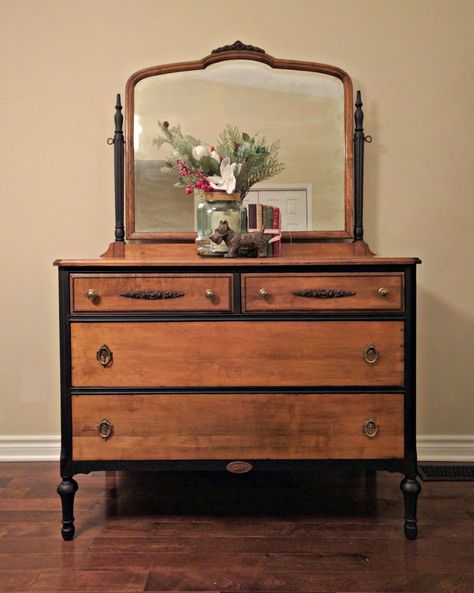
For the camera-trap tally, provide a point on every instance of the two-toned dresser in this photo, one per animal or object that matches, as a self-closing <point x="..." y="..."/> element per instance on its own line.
<point x="170" y="360"/>
<point x="238" y="365"/>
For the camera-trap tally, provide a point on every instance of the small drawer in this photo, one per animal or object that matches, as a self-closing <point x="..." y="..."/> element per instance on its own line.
<point x="238" y="426"/>
<point x="150" y="292"/>
<point x="322" y="292"/>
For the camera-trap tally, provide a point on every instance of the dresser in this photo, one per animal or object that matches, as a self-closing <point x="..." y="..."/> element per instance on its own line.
<point x="172" y="361"/>
<point x="238" y="365"/>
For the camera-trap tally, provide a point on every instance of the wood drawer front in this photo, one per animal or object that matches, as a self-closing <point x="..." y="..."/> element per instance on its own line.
<point x="325" y="292"/>
<point x="132" y="292"/>
<point x="277" y="426"/>
<point x="238" y="353"/>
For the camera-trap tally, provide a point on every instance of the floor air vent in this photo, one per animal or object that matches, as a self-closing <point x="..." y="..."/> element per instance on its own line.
<point x="446" y="473"/>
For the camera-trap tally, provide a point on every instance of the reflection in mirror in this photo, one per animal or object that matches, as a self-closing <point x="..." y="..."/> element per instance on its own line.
<point x="302" y="110"/>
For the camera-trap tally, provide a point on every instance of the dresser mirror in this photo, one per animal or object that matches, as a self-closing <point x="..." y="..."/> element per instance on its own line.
<point x="306" y="107"/>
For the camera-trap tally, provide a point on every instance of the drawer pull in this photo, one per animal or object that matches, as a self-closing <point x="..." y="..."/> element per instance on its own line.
<point x="370" y="428"/>
<point x="105" y="429"/>
<point x="104" y="356"/>
<point x="239" y="467"/>
<point x="152" y="295"/>
<point x="91" y="294"/>
<point x="323" y="293"/>
<point x="370" y="354"/>
<point x="383" y="292"/>
<point x="263" y="293"/>
<point x="210" y="294"/>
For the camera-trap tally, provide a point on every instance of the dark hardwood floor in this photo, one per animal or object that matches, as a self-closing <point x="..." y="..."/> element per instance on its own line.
<point x="310" y="532"/>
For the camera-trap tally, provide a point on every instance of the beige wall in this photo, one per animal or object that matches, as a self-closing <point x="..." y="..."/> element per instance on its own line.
<point x="62" y="63"/>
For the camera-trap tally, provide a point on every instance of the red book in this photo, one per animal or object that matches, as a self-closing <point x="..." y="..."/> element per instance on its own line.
<point x="276" y="246"/>
<point x="252" y="216"/>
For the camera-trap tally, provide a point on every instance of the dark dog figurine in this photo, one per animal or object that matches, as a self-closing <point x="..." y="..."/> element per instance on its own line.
<point x="248" y="242"/>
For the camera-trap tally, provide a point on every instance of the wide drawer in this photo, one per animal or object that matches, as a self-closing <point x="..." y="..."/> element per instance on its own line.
<point x="238" y="426"/>
<point x="151" y="292"/>
<point x="309" y="292"/>
<point x="237" y="353"/>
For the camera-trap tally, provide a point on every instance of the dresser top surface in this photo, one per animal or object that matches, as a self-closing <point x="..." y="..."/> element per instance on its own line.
<point x="184" y="255"/>
<point x="234" y="263"/>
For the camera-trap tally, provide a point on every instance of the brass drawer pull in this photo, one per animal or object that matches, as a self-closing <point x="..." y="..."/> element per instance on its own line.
<point x="210" y="294"/>
<point x="105" y="429"/>
<point x="370" y="354"/>
<point x="104" y="356"/>
<point x="263" y="293"/>
<point x="370" y="428"/>
<point x="383" y="292"/>
<point x="91" y="294"/>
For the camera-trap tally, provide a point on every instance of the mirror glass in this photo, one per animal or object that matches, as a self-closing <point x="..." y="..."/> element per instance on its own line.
<point x="302" y="110"/>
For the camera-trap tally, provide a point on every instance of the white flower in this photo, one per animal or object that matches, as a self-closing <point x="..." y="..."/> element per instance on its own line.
<point x="227" y="180"/>
<point x="201" y="151"/>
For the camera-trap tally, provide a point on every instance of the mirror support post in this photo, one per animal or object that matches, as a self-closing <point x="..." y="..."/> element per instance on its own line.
<point x="359" y="140"/>
<point x="118" y="142"/>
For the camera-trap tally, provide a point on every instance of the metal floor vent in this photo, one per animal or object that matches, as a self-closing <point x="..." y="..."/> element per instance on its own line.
<point x="446" y="473"/>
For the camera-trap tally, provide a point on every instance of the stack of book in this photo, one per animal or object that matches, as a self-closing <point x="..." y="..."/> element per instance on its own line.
<point x="268" y="219"/>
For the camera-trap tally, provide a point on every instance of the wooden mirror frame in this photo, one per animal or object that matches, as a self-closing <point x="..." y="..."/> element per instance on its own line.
<point x="239" y="51"/>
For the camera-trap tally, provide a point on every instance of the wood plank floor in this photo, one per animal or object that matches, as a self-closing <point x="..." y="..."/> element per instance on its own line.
<point x="309" y="532"/>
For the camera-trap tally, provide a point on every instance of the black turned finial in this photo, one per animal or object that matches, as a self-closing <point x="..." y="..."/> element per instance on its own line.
<point x="359" y="114"/>
<point x="118" y="115"/>
<point x="358" y="169"/>
<point x="118" y="143"/>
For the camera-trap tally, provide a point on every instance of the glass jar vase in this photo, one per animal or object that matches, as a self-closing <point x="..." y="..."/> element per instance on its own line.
<point x="213" y="208"/>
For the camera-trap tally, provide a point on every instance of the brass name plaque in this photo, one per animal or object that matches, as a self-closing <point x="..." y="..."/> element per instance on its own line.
<point x="239" y="467"/>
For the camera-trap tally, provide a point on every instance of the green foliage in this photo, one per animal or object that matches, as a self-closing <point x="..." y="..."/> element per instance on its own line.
<point x="256" y="159"/>
<point x="174" y="136"/>
<point x="182" y="144"/>
<point x="208" y="165"/>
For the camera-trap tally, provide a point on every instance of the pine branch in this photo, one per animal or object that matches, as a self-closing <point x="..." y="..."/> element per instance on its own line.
<point x="183" y="145"/>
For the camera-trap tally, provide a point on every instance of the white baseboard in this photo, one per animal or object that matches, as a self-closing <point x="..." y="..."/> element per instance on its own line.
<point x="445" y="447"/>
<point x="30" y="448"/>
<point x="47" y="448"/>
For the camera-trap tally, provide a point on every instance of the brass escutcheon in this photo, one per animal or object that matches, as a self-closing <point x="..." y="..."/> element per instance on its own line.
<point x="370" y="354"/>
<point x="239" y="467"/>
<point x="105" y="429"/>
<point x="370" y="428"/>
<point x="104" y="356"/>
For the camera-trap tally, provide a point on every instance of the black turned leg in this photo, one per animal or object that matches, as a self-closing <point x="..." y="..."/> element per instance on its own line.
<point x="66" y="490"/>
<point x="410" y="488"/>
